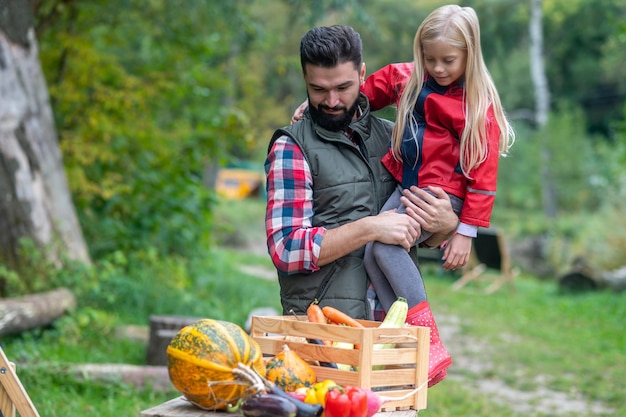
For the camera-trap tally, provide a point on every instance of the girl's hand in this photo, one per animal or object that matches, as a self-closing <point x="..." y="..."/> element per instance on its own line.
<point x="299" y="112"/>
<point x="456" y="254"/>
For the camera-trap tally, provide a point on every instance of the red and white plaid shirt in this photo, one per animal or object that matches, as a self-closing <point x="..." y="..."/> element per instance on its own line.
<point x="293" y="242"/>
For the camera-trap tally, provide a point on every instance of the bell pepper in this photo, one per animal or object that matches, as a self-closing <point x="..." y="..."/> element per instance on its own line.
<point x="317" y="393"/>
<point x="346" y="401"/>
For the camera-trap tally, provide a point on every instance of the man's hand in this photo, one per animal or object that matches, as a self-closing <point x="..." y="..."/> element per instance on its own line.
<point x="393" y="229"/>
<point x="433" y="213"/>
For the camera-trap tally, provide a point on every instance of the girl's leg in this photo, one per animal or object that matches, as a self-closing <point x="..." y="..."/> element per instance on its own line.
<point x="400" y="272"/>
<point x="397" y="267"/>
<point x="384" y="291"/>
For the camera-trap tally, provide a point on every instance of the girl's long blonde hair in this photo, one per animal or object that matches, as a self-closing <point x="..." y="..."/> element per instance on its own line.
<point x="459" y="27"/>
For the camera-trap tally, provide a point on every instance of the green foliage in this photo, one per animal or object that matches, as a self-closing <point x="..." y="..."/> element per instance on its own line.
<point x="145" y="283"/>
<point x="572" y="164"/>
<point x="36" y="270"/>
<point x="582" y="49"/>
<point x="576" y="36"/>
<point x="601" y="239"/>
<point x="589" y="177"/>
<point x="144" y="99"/>
<point x="141" y="109"/>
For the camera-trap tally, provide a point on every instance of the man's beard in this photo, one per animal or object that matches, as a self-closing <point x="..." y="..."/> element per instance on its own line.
<point x="332" y="122"/>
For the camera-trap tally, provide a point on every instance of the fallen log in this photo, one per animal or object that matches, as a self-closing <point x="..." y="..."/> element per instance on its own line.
<point x="584" y="277"/>
<point x="154" y="377"/>
<point x="35" y="310"/>
<point x="615" y="279"/>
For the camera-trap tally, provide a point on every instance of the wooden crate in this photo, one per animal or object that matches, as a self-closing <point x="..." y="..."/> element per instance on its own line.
<point x="405" y="366"/>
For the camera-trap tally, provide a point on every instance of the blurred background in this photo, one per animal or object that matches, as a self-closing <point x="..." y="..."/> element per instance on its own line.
<point x="133" y="137"/>
<point x="152" y="99"/>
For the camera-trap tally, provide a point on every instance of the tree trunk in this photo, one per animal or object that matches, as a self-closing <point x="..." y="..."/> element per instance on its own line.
<point x="162" y="331"/>
<point x="542" y="103"/>
<point x="29" y="312"/>
<point x="35" y="199"/>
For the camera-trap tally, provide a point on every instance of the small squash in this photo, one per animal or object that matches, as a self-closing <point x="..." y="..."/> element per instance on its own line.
<point x="201" y="358"/>
<point x="289" y="371"/>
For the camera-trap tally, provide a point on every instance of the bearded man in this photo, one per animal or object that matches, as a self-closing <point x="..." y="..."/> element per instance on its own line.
<point x="326" y="185"/>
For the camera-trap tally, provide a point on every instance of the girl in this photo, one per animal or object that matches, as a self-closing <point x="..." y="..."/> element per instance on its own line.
<point x="450" y="131"/>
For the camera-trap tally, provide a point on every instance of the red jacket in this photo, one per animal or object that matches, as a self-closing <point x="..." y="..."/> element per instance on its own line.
<point x="435" y="159"/>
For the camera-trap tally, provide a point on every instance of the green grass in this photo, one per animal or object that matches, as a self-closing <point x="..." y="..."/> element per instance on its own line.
<point x="576" y="341"/>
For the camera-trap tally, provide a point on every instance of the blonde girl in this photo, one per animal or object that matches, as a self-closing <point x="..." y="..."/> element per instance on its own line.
<point x="450" y="132"/>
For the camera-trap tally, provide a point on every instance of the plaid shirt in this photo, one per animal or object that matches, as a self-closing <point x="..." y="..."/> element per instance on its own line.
<point x="293" y="242"/>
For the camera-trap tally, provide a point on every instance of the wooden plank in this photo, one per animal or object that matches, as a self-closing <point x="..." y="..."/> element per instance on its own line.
<point x="13" y="387"/>
<point x="7" y="409"/>
<point x="179" y="407"/>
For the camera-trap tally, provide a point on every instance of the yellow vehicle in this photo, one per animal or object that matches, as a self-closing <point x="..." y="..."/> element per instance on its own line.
<point x="238" y="183"/>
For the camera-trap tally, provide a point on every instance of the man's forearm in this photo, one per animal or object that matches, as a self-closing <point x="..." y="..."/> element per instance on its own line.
<point x="345" y="239"/>
<point x="388" y="227"/>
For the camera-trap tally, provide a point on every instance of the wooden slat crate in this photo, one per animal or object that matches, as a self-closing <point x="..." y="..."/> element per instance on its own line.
<point x="405" y="367"/>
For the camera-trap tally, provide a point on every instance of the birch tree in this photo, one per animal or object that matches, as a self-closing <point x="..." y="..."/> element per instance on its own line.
<point x="542" y="102"/>
<point x="35" y="200"/>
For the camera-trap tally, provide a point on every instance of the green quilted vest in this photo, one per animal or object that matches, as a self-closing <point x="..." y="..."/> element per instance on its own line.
<point x="348" y="184"/>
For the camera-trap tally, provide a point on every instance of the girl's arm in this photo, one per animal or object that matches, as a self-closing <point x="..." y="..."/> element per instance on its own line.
<point x="384" y="87"/>
<point x="481" y="189"/>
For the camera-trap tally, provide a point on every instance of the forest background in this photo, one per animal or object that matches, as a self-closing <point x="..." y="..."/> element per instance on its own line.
<point x="150" y="98"/>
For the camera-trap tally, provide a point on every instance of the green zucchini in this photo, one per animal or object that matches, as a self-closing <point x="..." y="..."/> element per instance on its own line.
<point x="395" y="319"/>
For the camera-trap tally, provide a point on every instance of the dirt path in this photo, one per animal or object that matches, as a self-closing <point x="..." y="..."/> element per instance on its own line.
<point x="471" y="365"/>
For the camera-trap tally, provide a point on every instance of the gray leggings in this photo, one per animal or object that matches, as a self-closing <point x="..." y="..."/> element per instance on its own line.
<point x="390" y="267"/>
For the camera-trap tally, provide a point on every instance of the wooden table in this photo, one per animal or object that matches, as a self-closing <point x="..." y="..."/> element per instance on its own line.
<point x="178" y="407"/>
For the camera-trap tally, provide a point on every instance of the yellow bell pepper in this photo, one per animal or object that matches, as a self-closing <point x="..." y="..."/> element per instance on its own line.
<point x="317" y="393"/>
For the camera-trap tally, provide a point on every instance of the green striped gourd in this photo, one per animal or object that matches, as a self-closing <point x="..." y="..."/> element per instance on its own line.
<point x="201" y="357"/>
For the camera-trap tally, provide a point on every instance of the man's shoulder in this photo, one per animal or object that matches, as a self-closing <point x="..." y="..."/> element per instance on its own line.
<point x="288" y="130"/>
<point x="294" y="132"/>
<point x="385" y="123"/>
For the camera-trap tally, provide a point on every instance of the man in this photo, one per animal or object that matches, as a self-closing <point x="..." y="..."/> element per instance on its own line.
<point x="326" y="185"/>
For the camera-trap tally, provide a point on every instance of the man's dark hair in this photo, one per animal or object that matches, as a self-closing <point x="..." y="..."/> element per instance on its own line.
<point x="329" y="46"/>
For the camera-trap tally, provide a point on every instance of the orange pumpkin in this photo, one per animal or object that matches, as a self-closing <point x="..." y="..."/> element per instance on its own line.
<point x="289" y="371"/>
<point x="201" y="358"/>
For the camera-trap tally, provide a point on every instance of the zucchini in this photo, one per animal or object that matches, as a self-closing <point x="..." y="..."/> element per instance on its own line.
<point x="395" y="318"/>
<point x="344" y="345"/>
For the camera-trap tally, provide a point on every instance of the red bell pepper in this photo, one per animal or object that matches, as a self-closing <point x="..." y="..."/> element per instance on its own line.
<point x="346" y="401"/>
